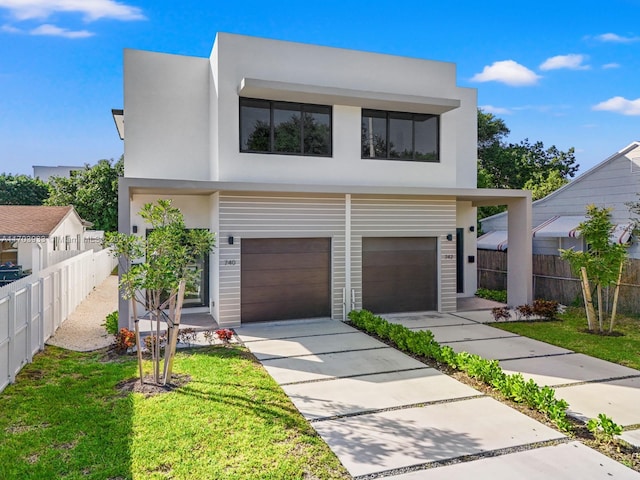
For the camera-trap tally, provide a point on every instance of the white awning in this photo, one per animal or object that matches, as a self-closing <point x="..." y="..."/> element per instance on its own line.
<point x="621" y="233"/>
<point x="559" y="227"/>
<point x="555" y="227"/>
<point x="496" y="240"/>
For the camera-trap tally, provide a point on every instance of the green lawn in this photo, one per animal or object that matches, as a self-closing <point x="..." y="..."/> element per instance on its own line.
<point x="570" y="332"/>
<point x="64" y="418"/>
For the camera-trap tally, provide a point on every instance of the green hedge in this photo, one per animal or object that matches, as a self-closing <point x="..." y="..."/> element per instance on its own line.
<point x="422" y="342"/>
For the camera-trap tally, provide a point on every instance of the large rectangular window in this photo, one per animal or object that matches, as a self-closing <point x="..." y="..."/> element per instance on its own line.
<point x="284" y="127"/>
<point x="400" y="136"/>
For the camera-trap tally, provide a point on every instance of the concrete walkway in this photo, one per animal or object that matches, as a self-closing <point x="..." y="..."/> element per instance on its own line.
<point x="387" y="415"/>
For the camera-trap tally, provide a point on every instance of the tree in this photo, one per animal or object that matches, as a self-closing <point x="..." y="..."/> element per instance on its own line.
<point x="93" y="192"/>
<point x="518" y="165"/>
<point x="600" y="265"/>
<point x="170" y="251"/>
<point x="22" y="190"/>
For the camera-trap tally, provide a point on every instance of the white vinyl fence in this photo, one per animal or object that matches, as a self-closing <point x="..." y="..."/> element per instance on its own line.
<point x="32" y="308"/>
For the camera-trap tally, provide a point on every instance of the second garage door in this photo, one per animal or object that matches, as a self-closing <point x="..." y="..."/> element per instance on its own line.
<point x="285" y="278"/>
<point x="399" y="274"/>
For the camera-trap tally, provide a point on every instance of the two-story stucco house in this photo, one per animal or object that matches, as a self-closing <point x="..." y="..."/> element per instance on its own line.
<point x="334" y="179"/>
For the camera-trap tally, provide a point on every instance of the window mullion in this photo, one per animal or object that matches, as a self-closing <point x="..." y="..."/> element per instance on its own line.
<point x="272" y="133"/>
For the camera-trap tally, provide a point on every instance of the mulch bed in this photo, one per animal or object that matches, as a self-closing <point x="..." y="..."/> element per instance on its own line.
<point x="149" y="388"/>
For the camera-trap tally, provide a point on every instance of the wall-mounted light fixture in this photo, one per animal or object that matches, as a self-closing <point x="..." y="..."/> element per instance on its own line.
<point x="134" y="229"/>
<point x="449" y="237"/>
<point x="472" y="228"/>
<point x="230" y="239"/>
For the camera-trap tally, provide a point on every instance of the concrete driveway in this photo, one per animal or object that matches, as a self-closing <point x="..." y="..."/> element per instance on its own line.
<point x="385" y="414"/>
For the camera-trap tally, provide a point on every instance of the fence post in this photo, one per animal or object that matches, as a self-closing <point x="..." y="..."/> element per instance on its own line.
<point x="29" y="321"/>
<point x="41" y="309"/>
<point x="12" y="334"/>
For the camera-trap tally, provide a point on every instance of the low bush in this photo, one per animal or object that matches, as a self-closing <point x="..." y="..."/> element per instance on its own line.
<point x="604" y="429"/>
<point x="124" y="340"/>
<point x="513" y="386"/>
<point x="495" y="295"/>
<point x="111" y="323"/>
<point x="547" y="309"/>
<point x="500" y="313"/>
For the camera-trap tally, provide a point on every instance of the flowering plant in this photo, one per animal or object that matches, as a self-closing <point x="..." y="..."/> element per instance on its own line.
<point x="125" y="339"/>
<point x="224" y="334"/>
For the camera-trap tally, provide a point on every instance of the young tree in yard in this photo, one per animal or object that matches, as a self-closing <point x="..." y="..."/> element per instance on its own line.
<point x="93" y="192"/>
<point x="600" y="265"/>
<point x="170" y="251"/>
<point x="22" y="190"/>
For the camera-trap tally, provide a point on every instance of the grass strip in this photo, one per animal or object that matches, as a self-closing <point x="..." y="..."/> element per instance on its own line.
<point x="65" y="418"/>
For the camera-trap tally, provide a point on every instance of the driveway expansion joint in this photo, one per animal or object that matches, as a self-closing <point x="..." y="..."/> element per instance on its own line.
<point x="381" y="347"/>
<point x="480" y="339"/>
<point x="529" y="357"/>
<point x="598" y="380"/>
<point x="331" y="334"/>
<point x="396" y="408"/>
<point x="462" y="459"/>
<point x="328" y="379"/>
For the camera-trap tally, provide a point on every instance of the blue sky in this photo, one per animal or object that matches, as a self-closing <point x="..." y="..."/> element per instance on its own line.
<point x="566" y="73"/>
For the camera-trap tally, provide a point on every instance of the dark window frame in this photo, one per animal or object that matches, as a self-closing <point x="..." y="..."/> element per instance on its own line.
<point x="388" y="116"/>
<point x="273" y="105"/>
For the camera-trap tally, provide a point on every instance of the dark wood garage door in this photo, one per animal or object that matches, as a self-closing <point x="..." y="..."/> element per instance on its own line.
<point x="399" y="274"/>
<point x="285" y="278"/>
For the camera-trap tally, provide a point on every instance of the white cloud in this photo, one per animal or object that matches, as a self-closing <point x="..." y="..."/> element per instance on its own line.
<point x="614" y="38"/>
<point x="572" y="61"/>
<point x="54" y="31"/>
<point x="507" y="72"/>
<point x="620" y="105"/>
<point x="495" y="110"/>
<point x="90" y="9"/>
<point x="608" y="66"/>
<point x="10" y="29"/>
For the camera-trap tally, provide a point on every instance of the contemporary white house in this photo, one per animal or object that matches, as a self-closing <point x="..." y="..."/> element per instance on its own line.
<point x="45" y="172"/>
<point x="334" y="179"/>
<point x="612" y="183"/>
<point x="30" y="236"/>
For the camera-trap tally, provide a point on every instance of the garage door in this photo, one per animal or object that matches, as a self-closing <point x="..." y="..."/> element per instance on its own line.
<point x="285" y="278"/>
<point x="399" y="274"/>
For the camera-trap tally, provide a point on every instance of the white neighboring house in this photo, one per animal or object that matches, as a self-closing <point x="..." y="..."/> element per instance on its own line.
<point x="334" y="179"/>
<point x="30" y="236"/>
<point x="45" y="172"/>
<point x="612" y="183"/>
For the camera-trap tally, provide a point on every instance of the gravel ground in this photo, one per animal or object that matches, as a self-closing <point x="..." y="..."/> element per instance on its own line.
<point x="83" y="330"/>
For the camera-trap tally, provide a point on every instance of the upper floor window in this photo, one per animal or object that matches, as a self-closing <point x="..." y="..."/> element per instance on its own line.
<point x="283" y="127"/>
<point x="400" y="136"/>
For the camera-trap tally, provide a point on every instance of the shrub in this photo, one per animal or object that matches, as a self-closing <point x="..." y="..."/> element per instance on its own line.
<point x="524" y="311"/>
<point x="500" y="313"/>
<point x="125" y="339"/>
<point x="495" y="295"/>
<point x="224" y="334"/>
<point x="150" y="342"/>
<point x="187" y="335"/>
<point x="604" y="428"/>
<point x="547" y="309"/>
<point x="111" y="323"/>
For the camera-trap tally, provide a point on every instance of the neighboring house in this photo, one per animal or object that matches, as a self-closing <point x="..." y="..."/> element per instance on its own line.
<point x="45" y="172"/>
<point x="31" y="235"/>
<point x="612" y="183"/>
<point x="334" y="179"/>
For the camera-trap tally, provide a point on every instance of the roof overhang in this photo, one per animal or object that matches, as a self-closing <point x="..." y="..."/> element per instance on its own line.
<point x="477" y="196"/>
<point x="118" y="118"/>
<point x="297" y="92"/>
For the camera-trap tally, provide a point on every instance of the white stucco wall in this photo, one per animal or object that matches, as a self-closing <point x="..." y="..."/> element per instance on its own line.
<point x="182" y="114"/>
<point x="466" y="216"/>
<point x="166" y="116"/>
<point x="241" y="57"/>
